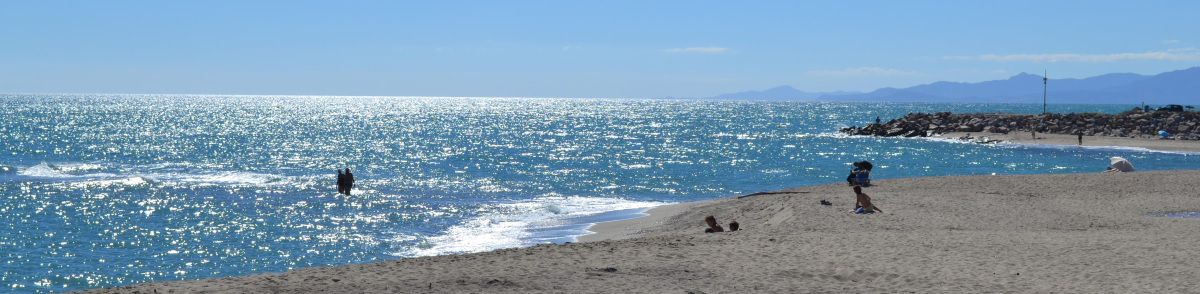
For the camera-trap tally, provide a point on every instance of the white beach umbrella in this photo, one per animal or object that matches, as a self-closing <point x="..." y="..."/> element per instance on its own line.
<point x="1121" y="164"/>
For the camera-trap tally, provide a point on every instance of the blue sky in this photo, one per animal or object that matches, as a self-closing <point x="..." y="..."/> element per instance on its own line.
<point x="574" y="48"/>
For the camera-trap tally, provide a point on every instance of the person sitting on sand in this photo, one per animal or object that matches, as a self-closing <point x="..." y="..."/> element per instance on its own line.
<point x="860" y="172"/>
<point x="713" y="227"/>
<point x="860" y="175"/>
<point x="863" y="203"/>
<point x="850" y="178"/>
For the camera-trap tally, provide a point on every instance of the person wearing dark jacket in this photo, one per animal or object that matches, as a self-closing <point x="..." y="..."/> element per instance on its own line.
<point x="859" y="166"/>
<point x="341" y="182"/>
<point x="349" y="181"/>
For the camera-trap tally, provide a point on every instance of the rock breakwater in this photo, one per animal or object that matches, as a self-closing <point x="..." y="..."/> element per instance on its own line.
<point x="1133" y="124"/>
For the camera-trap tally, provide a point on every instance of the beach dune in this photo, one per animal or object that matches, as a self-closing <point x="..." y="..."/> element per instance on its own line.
<point x="1075" y="233"/>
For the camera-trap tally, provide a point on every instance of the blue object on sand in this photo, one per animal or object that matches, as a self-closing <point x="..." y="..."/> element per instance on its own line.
<point x="1180" y="214"/>
<point x="1164" y="134"/>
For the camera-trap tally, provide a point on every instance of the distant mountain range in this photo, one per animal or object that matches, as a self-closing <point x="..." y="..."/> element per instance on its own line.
<point x="1175" y="87"/>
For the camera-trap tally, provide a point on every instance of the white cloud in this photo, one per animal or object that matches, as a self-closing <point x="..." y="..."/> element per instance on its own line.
<point x="1182" y="54"/>
<point x="697" y="50"/>
<point x="862" y="72"/>
<point x="1170" y="42"/>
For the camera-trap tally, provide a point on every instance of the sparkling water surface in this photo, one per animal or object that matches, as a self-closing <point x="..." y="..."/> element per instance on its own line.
<point x="107" y="190"/>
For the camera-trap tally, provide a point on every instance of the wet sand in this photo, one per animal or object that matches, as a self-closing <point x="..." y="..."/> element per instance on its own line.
<point x="1073" y="140"/>
<point x="1082" y="233"/>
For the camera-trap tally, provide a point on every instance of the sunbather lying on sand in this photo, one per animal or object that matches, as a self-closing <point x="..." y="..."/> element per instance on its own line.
<point x="863" y="203"/>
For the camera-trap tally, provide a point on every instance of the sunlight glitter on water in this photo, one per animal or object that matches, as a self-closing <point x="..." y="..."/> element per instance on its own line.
<point x="105" y="190"/>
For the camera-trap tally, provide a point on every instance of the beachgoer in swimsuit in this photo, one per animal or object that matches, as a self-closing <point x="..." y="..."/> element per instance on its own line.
<point x="713" y="227"/>
<point x="863" y="203"/>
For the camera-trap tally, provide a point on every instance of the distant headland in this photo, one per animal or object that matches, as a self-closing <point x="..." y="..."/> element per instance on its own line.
<point x="1174" y="87"/>
<point x="1178" y="125"/>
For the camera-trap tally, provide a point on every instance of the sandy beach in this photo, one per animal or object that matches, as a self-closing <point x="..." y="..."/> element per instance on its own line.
<point x="1073" y="140"/>
<point x="1080" y="233"/>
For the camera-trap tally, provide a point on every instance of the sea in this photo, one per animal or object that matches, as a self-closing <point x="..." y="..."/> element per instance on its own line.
<point x="100" y="190"/>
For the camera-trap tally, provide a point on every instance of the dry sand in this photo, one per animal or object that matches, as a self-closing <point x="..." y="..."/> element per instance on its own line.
<point x="1057" y="139"/>
<point x="1082" y="233"/>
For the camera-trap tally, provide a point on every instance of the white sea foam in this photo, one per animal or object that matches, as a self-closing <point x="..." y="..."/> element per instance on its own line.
<point x="141" y="175"/>
<point x="236" y="178"/>
<point x="1055" y="146"/>
<point x="838" y="135"/>
<point x="940" y="139"/>
<point x="514" y="224"/>
<point x="130" y="181"/>
<point x="78" y="167"/>
<point x="45" y="170"/>
<point x="1114" y="148"/>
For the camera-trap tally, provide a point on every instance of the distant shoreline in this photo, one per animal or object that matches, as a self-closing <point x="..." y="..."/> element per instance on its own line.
<point x="1088" y="141"/>
<point x="1134" y="123"/>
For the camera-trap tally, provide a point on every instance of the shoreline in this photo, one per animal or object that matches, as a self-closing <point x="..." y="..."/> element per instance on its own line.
<point x="634" y="227"/>
<point x="1088" y="141"/>
<point x="1079" y="233"/>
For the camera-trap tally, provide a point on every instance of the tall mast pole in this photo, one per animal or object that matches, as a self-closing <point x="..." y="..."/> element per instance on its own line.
<point x="1045" y="79"/>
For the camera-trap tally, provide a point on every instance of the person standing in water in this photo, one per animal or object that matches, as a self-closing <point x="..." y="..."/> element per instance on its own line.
<point x="341" y="182"/>
<point x="349" y="181"/>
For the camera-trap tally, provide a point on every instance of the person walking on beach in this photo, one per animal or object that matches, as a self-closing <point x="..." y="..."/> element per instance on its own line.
<point x="341" y="182"/>
<point x="1080" y="137"/>
<point x="349" y="181"/>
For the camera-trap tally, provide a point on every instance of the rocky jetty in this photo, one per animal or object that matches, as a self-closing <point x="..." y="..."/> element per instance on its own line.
<point x="1133" y="124"/>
